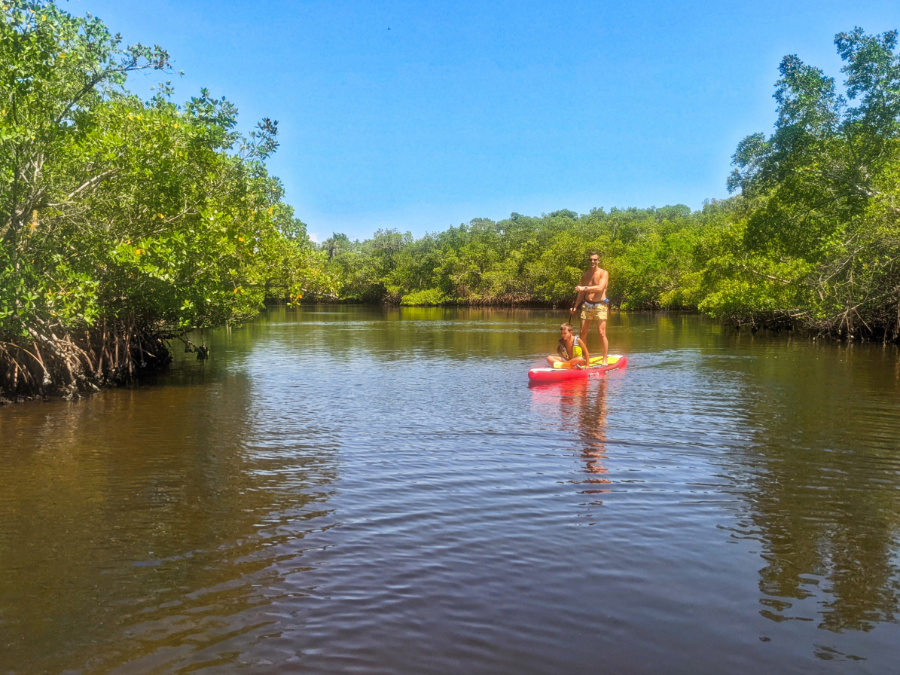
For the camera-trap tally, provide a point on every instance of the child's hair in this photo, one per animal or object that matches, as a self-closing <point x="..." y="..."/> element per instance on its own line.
<point x="566" y="325"/>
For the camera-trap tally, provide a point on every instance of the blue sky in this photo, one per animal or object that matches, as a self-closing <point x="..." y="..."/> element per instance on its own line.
<point x="422" y="115"/>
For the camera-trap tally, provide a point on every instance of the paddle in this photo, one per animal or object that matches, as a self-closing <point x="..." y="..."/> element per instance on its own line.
<point x="574" y="308"/>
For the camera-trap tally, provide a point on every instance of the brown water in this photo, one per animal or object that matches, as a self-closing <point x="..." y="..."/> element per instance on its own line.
<point x="368" y="490"/>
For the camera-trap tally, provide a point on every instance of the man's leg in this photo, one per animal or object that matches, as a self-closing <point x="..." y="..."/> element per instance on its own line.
<point x="585" y="329"/>
<point x="601" y="326"/>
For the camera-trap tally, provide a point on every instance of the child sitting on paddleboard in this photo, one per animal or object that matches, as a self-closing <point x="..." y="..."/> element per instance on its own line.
<point x="571" y="352"/>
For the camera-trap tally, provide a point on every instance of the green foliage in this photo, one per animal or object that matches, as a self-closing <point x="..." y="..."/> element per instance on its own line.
<point x="820" y="231"/>
<point x="120" y="212"/>
<point x="524" y="259"/>
<point x="431" y="297"/>
<point x="160" y="218"/>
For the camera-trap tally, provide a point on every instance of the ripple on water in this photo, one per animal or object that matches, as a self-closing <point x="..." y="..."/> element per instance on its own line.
<point x="316" y="500"/>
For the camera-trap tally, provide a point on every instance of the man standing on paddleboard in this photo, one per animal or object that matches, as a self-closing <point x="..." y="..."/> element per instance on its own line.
<point x="592" y="297"/>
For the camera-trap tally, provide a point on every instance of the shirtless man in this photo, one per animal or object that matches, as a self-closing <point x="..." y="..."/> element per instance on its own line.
<point x="592" y="292"/>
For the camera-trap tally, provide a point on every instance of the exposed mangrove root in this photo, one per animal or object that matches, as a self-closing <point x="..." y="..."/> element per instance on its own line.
<point x="849" y="325"/>
<point x="202" y="351"/>
<point x="50" y="362"/>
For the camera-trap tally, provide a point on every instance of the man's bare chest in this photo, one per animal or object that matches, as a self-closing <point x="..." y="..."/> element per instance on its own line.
<point x="592" y="278"/>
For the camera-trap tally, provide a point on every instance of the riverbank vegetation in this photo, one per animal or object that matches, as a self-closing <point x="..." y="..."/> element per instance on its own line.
<point x="809" y="240"/>
<point x="127" y="223"/>
<point x="124" y="223"/>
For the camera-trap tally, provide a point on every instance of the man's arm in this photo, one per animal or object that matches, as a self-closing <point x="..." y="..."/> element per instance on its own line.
<point x="586" y="277"/>
<point x="578" y="300"/>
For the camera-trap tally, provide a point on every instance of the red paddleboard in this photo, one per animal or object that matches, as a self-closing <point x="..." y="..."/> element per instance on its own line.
<point x="613" y="362"/>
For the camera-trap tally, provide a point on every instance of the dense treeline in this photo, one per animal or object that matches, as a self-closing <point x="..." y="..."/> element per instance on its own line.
<point x="124" y="223"/>
<point x="525" y="260"/>
<point x="811" y="240"/>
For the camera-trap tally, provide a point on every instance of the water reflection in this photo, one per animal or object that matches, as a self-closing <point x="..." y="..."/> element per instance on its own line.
<point x="338" y="484"/>
<point x="827" y="516"/>
<point x="821" y="482"/>
<point x="582" y="409"/>
<point x="146" y="518"/>
<point x="403" y="333"/>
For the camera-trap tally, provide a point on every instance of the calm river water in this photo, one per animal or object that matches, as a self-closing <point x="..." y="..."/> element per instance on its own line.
<point x="380" y="491"/>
